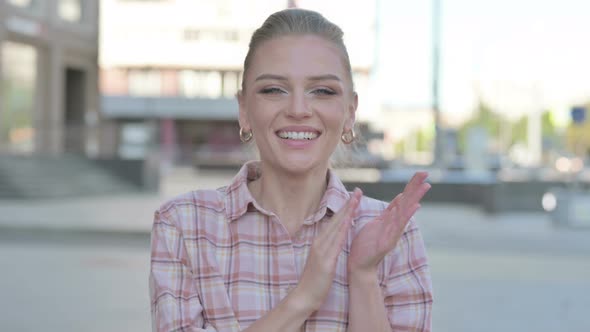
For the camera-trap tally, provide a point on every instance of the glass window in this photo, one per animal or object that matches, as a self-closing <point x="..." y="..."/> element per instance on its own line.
<point x="19" y="75"/>
<point x="35" y="6"/>
<point x="70" y="10"/>
<point x="230" y="84"/>
<point x="20" y="3"/>
<point x="214" y="35"/>
<point x="145" y="83"/>
<point x="204" y="84"/>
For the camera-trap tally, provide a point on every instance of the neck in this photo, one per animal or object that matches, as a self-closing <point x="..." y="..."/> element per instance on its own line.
<point x="292" y="197"/>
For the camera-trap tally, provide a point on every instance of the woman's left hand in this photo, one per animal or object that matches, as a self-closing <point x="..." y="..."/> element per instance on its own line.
<point x="380" y="235"/>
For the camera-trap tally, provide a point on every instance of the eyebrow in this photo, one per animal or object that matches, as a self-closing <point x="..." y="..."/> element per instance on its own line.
<point x="311" y="78"/>
<point x="325" y="77"/>
<point x="271" y="77"/>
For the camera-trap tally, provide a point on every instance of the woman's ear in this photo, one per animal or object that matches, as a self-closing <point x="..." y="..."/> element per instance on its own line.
<point x="243" y="115"/>
<point x="351" y="113"/>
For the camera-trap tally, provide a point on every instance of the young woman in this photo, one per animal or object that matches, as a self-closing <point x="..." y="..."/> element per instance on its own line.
<point x="285" y="247"/>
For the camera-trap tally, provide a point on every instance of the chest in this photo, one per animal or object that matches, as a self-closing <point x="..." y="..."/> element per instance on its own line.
<point x="250" y="271"/>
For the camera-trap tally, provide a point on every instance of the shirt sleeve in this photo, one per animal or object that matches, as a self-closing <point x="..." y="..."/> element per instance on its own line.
<point x="175" y="302"/>
<point x="408" y="285"/>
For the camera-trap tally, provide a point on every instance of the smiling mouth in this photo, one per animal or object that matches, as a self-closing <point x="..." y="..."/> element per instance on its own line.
<point x="298" y="135"/>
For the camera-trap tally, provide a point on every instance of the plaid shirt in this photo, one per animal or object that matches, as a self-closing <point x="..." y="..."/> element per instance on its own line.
<point x="219" y="262"/>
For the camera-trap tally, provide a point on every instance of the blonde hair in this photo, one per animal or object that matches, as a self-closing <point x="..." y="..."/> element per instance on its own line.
<point x="296" y="21"/>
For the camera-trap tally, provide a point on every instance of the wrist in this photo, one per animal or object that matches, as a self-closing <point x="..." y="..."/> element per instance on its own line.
<point x="300" y="301"/>
<point x="358" y="277"/>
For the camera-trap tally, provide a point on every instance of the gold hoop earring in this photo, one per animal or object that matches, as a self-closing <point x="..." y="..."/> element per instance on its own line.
<point x="245" y="136"/>
<point x="348" y="137"/>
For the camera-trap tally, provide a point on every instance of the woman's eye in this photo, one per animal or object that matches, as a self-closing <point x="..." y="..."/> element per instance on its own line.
<point x="324" y="92"/>
<point x="271" y="90"/>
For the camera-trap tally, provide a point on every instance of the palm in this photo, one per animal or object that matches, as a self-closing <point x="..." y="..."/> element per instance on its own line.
<point x="371" y="244"/>
<point x="380" y="235"/>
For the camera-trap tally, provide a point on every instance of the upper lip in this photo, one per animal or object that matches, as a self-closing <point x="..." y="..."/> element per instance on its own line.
<point x="304" y="129"/>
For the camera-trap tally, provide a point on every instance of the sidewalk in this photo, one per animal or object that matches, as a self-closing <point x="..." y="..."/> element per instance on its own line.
<point x="122" y="213"/>
<point x="104" y="214"/>
<point x="443" y="225"/>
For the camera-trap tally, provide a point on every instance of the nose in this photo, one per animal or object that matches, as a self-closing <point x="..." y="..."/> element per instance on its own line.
<point x="299" y="107"/>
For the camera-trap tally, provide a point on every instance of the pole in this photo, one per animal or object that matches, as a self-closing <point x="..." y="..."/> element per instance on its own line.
<point x="438" y="148"/>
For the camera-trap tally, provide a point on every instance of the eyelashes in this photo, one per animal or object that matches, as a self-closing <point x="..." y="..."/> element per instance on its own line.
<point x="324" y="91"/>
<point x="318" y="91"/>
<point x="271" y="91"/>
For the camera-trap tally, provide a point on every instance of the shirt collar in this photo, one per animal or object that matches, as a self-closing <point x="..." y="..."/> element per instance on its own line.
<point x="333" y="200"/>
<point x="238" y="196"/>
<point x="239" y="199"/>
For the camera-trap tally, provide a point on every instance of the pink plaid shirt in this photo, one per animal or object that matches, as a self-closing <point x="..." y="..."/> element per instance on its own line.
<point x="219" y="262"/>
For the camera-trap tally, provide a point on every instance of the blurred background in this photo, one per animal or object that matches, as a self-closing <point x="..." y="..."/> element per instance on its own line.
<point x="110" y="107"/>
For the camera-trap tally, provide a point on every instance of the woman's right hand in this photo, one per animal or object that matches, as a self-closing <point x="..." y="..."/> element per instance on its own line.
<point x="320" y="267"/>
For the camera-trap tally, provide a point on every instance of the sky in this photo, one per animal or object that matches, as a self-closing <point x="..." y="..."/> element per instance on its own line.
<point x="518" y="55"/>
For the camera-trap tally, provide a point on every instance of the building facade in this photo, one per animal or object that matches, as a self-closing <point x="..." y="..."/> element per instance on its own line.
<point x="49" y="102"/>
<point x="171" y="69"/>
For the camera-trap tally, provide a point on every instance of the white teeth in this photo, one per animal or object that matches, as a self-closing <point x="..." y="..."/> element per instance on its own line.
<point x="297" y="135"/>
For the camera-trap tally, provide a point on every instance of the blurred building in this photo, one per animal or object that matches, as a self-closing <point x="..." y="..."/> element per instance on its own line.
<point x="170" y="70"/>
<point x="49" y="102"/>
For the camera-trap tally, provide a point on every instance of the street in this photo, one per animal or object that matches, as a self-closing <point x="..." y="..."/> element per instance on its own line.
<point x="490" y="273"/>
<point x="62" y="285"/>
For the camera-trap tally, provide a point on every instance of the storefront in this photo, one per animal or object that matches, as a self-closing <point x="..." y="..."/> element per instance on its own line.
<point x="49" y="101"/>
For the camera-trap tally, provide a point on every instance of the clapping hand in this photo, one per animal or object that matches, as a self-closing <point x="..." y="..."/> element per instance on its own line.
<point x="320" y="266"/>
<point x="380" y="235"/>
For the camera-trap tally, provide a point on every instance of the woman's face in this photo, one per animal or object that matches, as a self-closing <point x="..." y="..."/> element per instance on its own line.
<point x="297" y="101"/>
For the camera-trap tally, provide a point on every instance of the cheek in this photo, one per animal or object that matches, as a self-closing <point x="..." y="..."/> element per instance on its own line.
<point x="256" y="112"/>
<point x="333" y="113"/>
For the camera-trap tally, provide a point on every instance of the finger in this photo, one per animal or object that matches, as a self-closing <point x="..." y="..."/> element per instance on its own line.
<point x="396" y="200"/>
<point x="409" y="189"/>
<point x="416" y="179"/>
<point x="335" y="239"/>
<point x="330" y="239"/>
<point x="414" y="193"/>
<point x="419" y="193"/>
<point x="399" y="219"/>
<point x="347" y="220"/>
<point x="415" y="190"/>
<point x="354" y="198"/>
<point x="409" y="212"/>
<point x="344" y="215"/>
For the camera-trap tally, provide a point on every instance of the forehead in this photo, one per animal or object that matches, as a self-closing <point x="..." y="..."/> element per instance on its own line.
<point x="298" y="57"/>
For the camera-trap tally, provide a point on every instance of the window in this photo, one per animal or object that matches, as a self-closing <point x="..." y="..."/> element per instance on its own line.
<point x="230" y="84"/>
<point x="204" y="84"/>
<point x="191" y="34"/>
<point x="21" y="3"/>
<point x="145" y="83"/>
<point x="34" y="6"/>
<point x="194" y="34"/>
<point x="19" y="65"/>
<point x="70" y="10"/>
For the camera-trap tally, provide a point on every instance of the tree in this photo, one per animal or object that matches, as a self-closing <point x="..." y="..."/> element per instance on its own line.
<point x="520" y="128"/>
<point x="485" y="118"/>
